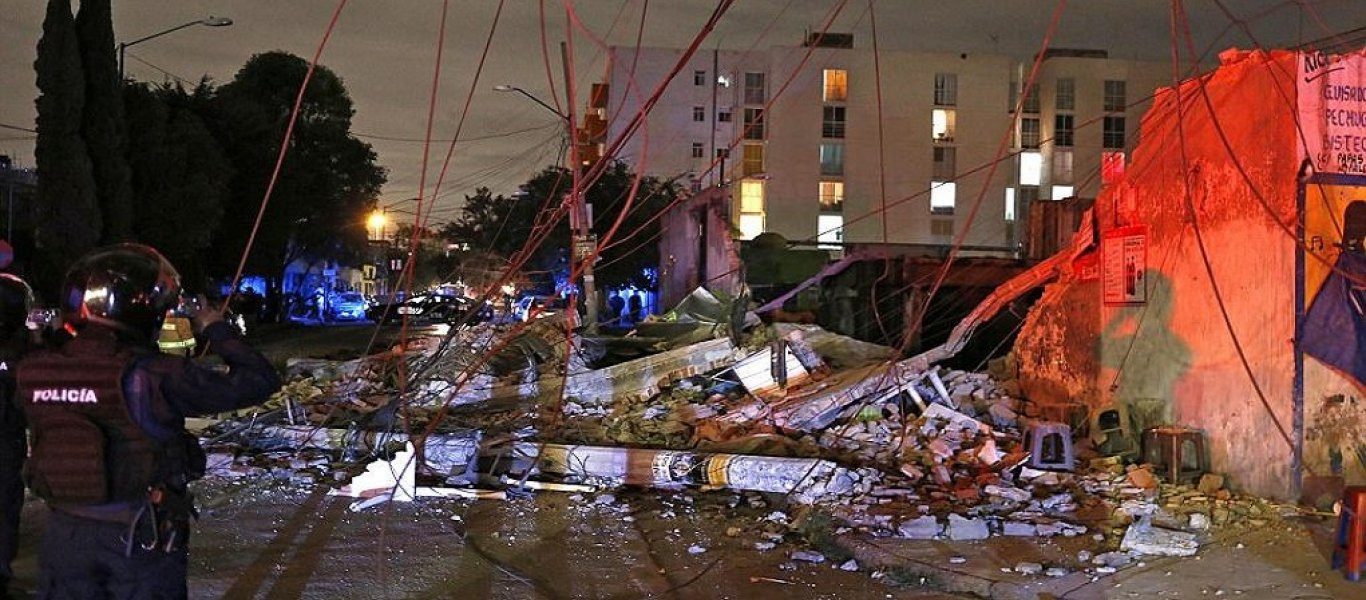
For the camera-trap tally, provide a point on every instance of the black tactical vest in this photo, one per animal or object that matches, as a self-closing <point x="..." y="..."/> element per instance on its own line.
<point x="86" y="447"/>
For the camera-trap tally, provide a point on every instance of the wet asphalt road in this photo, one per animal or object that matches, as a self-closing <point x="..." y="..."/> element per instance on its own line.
<point x="269" y="539"/>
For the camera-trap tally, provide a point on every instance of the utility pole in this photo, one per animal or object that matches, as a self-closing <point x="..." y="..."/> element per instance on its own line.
<point x="584" y="242"/>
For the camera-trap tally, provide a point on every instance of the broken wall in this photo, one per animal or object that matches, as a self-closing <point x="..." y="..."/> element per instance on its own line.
<point x="1164" y="350"/>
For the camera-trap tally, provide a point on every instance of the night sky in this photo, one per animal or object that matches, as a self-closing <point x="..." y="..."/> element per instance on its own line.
<point x="384" y="51"/>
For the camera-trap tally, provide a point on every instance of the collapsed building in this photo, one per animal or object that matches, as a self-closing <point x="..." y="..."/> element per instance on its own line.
<point x="1221" y="289"/>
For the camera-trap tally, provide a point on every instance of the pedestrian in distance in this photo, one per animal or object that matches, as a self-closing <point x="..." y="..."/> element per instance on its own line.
<point x="16" y="298"/>
<point x="106" y="411"/>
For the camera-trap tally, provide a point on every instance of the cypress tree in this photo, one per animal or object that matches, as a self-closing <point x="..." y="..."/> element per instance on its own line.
<point x="68" y="217"/>
<point x="102" y="123"/>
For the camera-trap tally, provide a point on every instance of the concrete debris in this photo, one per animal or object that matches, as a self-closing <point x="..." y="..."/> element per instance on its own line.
<point x="887" y="448"/>
<point x="961" y="528"/>
<point x="920" y="528"/>
<point x="1144" y="538"/>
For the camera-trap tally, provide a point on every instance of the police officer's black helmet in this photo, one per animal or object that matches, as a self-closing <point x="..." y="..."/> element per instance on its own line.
<point x="16" y="298"/>
<point x="128" y="287"/>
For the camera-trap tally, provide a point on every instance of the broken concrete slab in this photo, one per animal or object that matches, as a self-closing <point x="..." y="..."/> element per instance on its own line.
<point x="1144" y="538"/>
<point x="921" y="528"/>
<point x="962" y="528"/>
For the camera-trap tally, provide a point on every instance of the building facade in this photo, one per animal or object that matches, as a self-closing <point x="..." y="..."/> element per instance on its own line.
<point x="795" y="132"/>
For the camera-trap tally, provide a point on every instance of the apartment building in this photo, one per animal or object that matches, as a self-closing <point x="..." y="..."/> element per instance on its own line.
<point x="795" y="132"/>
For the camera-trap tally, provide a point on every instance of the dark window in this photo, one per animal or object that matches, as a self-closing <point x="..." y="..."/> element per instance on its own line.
<point x="699" y="113"/>
<point x="832" y="159"/>
<point x="755" y="92"/>
<point x="1029" y="132"/>
<point x="754" y="124"/>
<point x="1062" y="130"/>
<point x="832" y="123"/>
<point x="1031" y="100"/>
<point x="697" y="150"/>
<point x="1112" y="133"/>
<point x="723" y="116"/>
<point x="699" y="78"/>
<point x="1067" y="94"/>
<point x="945" y="158"/>
<point x="1114" y="96"/>
<point x="945" y="89"/>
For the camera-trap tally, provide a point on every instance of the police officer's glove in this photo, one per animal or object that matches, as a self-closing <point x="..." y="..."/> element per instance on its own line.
<point x="205" y="314"/>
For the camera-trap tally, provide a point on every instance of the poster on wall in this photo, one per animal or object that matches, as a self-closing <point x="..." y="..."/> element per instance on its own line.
<point x="1332" y="342"/>
<point x="1332" y="111"/>
<point x="1124" y="258"/>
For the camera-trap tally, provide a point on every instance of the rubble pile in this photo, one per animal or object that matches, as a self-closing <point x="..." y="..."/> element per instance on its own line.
<point x="890" y="449"/>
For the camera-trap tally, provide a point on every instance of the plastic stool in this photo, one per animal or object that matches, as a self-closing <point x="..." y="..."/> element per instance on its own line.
<point x="1109" y="430"/>
<point x="1349" y="549"/>
<point x="1050" y="447"/>
<point x="1179" y="452"/>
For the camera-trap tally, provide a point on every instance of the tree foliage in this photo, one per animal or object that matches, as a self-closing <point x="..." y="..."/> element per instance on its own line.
<point x="102" y="124"/>
<point x="179" y="173"/>
<point x="68" y="217"/>
<point x="329" y="180"/>
<point x="504" y="224"/>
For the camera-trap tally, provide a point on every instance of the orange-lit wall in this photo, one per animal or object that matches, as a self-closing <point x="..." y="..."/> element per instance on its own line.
<point x="1172" y="359"/>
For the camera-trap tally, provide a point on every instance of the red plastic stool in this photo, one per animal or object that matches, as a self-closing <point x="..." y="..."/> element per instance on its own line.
<point x="1349" y="552"/>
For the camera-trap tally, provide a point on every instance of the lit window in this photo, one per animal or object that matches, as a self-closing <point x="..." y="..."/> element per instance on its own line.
<point x="1112" y="133"/>
<point x="1062" y="130"/>
<point x="836" y="85"/>
<point x="1115" y="100"/>
<point x="1061" y="192"/>
<point x="943" y="195"/>
<point x="751" y="226"/>
<point x="832" y="159"/>
<point x="697" y="150"/>
<point x="943" y="124"/>
<point x="755" y="91"/>
<point x="751" y="208"/>
<point x="699" y="113"/>
<point x="1029" y="132"/>
<point x="832" y="123"/>
<point x="1067" y="94"/>
<point x="945" y="159"/>
<point x="830" y="229"/>
<point x="945" y="89"/>
<point x="699" y="77"/>
<point x="752" y="197"/>
<point x="1010" y="204"/>
<point x="754" y="124"/>
<point x="753" y="159"/>
<point x="1062" y="166"/>
<point x="1111" y="167"/>
<point x="1031" y="168"/>
<point x="832" y="196"/>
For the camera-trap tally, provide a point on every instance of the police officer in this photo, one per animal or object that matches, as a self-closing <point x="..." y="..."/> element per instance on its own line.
<point x="110" y="454"/>
<point x="15" y="300"/>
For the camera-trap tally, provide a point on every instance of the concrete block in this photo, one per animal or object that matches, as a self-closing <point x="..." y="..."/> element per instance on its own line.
<point x="961" y="528"/>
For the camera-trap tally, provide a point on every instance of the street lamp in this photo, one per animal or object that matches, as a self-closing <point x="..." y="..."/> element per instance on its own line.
<point x="580" y="216"/>
<point x="512" y="88"/>
<point x="210" y="21"/>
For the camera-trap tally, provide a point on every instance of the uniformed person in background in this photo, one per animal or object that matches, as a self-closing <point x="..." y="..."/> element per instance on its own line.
<point x="16" y="298"/>
<point x="106" y="412"/>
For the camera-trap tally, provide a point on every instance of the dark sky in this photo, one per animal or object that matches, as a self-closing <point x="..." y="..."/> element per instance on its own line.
<point x="384" y="50"/>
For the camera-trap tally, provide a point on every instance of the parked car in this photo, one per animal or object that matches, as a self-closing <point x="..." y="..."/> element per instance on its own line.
<point x="548" y="305"/>
<point x="432" y="308"/>
<point x="349" y="306"/>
